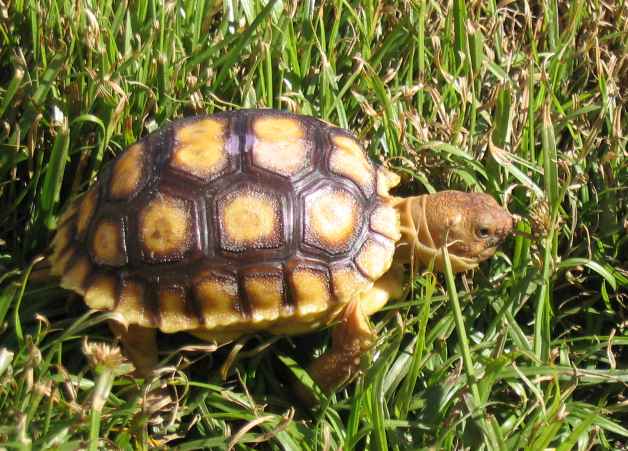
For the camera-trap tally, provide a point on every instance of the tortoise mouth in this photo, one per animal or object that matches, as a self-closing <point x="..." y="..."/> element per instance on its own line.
<point x="459" y="263"/>
<point x="486" y="253"/>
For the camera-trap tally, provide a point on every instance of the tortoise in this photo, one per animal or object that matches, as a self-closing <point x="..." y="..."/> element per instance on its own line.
<point x="258" y="220"/>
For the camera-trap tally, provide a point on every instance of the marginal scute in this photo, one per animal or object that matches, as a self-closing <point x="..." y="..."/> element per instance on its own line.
<point x="264" y="292"/>
<point x="60" y="249"/>
<point x="132" y="306"/>
<point x="332" y="219"/>
<point x="311" y="291"/>
<point x="385" y="181"/>
<point x="165" y="228"/>
<point x="75" y="276"/>
<point x="385" y="220"/>
<point x="375" y="257"/>
<point x="64" y="259"/>
<point x="348" y="159"/>
<point x="107" y="245"/>
<point x="348" y="282"/>
<point x="200" y="149"/>
<point x="250" y="219"/>
<point x="101" y="292"/>
<point x="280" y="145"/>
<point x="86" y="211"/>
<point x="68" y="215"/>
<point x="126" y="176"/>
<point x="174" y="312"/>
<point x="62" y="238"/>
<point x="217" y="298"/>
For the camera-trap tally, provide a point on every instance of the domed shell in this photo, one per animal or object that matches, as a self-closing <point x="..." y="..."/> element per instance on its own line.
<point x="222" y="225"/>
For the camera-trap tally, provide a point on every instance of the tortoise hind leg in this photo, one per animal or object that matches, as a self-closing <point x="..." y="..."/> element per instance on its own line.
<point x="140" y="346"/>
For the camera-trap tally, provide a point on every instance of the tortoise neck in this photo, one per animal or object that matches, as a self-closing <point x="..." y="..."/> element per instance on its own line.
<point x="423" y="233"/>
<point x="407" y="208"/>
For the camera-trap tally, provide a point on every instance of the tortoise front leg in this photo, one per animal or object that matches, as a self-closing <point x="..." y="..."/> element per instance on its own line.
<point x="350" y="339"/>
<point x="139" y="345"/>
<point x="353" y="336"/>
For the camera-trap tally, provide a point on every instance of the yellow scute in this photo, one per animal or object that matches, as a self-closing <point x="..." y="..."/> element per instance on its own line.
<point x="200" y="148"/>
<point x="280" y="145"/>
<point x="271" y="128"/>
<point x="165" y="227"/>
<point x="331" y="219"/>
<point x="265" y="295"/>
<point x="86" y="210"/>
<point x="131" y="304"/>
<point x="101" y="294"/>
<point x="127" y="172"/>
<point x="385" y="181"/>
<point x="348" y="159"/>
<point x="348" y="282"/>
<point x="173" y="311"/>
<point x="249" y="219"/>
<point x="385" y="220"/>
<point x="311" y="290"/>
<point x="107" y="246"/>
<point x="375" y="258"/>
<point x="75" y="276"/>
<point x="218" y="300"/>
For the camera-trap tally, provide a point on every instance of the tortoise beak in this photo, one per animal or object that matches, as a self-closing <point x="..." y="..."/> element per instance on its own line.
<point x="495" y="241"/>
<point x="506" y="224"/>
<point x="486" y="253"/>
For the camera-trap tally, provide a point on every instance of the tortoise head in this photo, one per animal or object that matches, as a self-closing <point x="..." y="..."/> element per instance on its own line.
<point x="472" y="225"/>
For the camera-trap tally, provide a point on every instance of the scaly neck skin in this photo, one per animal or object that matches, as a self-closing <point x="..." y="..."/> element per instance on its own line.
<point x="405" y="245"/>
<point x="418" y="245"/>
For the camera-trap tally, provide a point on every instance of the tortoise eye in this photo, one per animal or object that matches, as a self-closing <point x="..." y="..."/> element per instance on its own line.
<point x="483" y="232"/>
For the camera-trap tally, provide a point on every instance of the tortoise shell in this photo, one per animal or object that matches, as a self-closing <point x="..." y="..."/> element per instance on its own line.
<point x="226" y="224"/>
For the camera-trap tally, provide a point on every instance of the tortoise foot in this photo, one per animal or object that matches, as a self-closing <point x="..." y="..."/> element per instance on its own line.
<point x="139" y="345"/>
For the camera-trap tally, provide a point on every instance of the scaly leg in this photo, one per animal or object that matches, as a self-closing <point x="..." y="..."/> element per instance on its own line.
<point x="350" y="339"/>
<point x="353" y="336"/>
<point x="140" y="346"/>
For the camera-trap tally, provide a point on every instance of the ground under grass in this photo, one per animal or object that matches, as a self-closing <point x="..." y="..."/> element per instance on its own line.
<point x="524" y="100"/>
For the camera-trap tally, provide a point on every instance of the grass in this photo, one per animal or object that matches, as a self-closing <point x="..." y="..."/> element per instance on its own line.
<point x="524" y="100"/>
